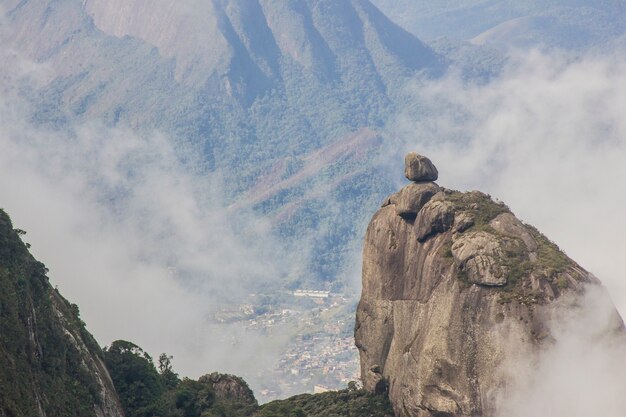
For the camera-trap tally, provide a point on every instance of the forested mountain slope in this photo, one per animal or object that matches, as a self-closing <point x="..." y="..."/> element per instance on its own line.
<point x="282" y="99"/>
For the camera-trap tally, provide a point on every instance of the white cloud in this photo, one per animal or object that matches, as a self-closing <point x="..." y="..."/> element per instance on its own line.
<point x="582" y="374"/>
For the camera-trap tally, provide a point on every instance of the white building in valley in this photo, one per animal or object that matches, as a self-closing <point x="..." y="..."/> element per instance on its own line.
<point x="311" y="293"/>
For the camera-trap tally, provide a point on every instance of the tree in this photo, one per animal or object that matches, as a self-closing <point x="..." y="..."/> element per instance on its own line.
<point x="169" y="377"/>
<point x="134" y="375"/>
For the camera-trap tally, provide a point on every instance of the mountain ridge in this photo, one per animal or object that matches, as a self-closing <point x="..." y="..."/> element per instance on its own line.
<point x="578" y="26"/>
<point x="49" y="363"/>
<point x="329" y="70"/>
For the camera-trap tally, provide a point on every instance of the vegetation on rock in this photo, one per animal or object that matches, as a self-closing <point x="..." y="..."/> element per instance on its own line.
<point x="49" y="363"/>
<point x="352" y="403"/>
<point x="545" y="260"/>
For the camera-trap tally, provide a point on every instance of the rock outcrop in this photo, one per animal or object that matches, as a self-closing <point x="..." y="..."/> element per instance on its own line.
<point x="454" y="286"/>
<point x="229" y="388"/>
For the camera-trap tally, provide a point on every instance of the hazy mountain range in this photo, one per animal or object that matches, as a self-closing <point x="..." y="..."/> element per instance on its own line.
<point x="286" y="100"/>
<point x="282" y="98"/>
<point x="570" y="24"/>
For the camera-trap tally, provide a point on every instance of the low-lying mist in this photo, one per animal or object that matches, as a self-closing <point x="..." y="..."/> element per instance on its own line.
<point x="581" y="371"/>
<point x="144" y="245"/>
<point x="140" y="241"/>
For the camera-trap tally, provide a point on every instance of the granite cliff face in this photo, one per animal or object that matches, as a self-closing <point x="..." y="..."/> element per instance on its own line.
<point x="455" y="287"/>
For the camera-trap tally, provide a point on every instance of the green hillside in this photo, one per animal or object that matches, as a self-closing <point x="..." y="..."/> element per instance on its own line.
<point x="49" y="363"/>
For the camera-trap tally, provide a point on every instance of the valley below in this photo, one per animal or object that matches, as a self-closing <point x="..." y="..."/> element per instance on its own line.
<point x="318" y="353"/>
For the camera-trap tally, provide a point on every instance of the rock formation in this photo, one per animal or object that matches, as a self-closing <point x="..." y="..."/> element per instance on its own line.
<point x="230" y="388"/>
<point x="419" y="168"/>
<point x="454" y="285"/>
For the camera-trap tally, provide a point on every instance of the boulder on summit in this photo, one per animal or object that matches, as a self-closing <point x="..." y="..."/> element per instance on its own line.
<point x="419" y="168"/>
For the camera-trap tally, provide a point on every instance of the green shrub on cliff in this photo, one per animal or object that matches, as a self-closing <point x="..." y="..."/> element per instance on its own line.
<point x="134" y="375"/>
<point x="352" y="403"/>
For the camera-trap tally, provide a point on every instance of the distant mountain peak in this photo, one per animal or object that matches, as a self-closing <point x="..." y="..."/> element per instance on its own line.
<point x="245" y="43"/>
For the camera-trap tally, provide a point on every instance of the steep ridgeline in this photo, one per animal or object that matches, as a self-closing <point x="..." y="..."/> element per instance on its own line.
<point x="455" y="287"/>
<point x="49" y="364"/>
